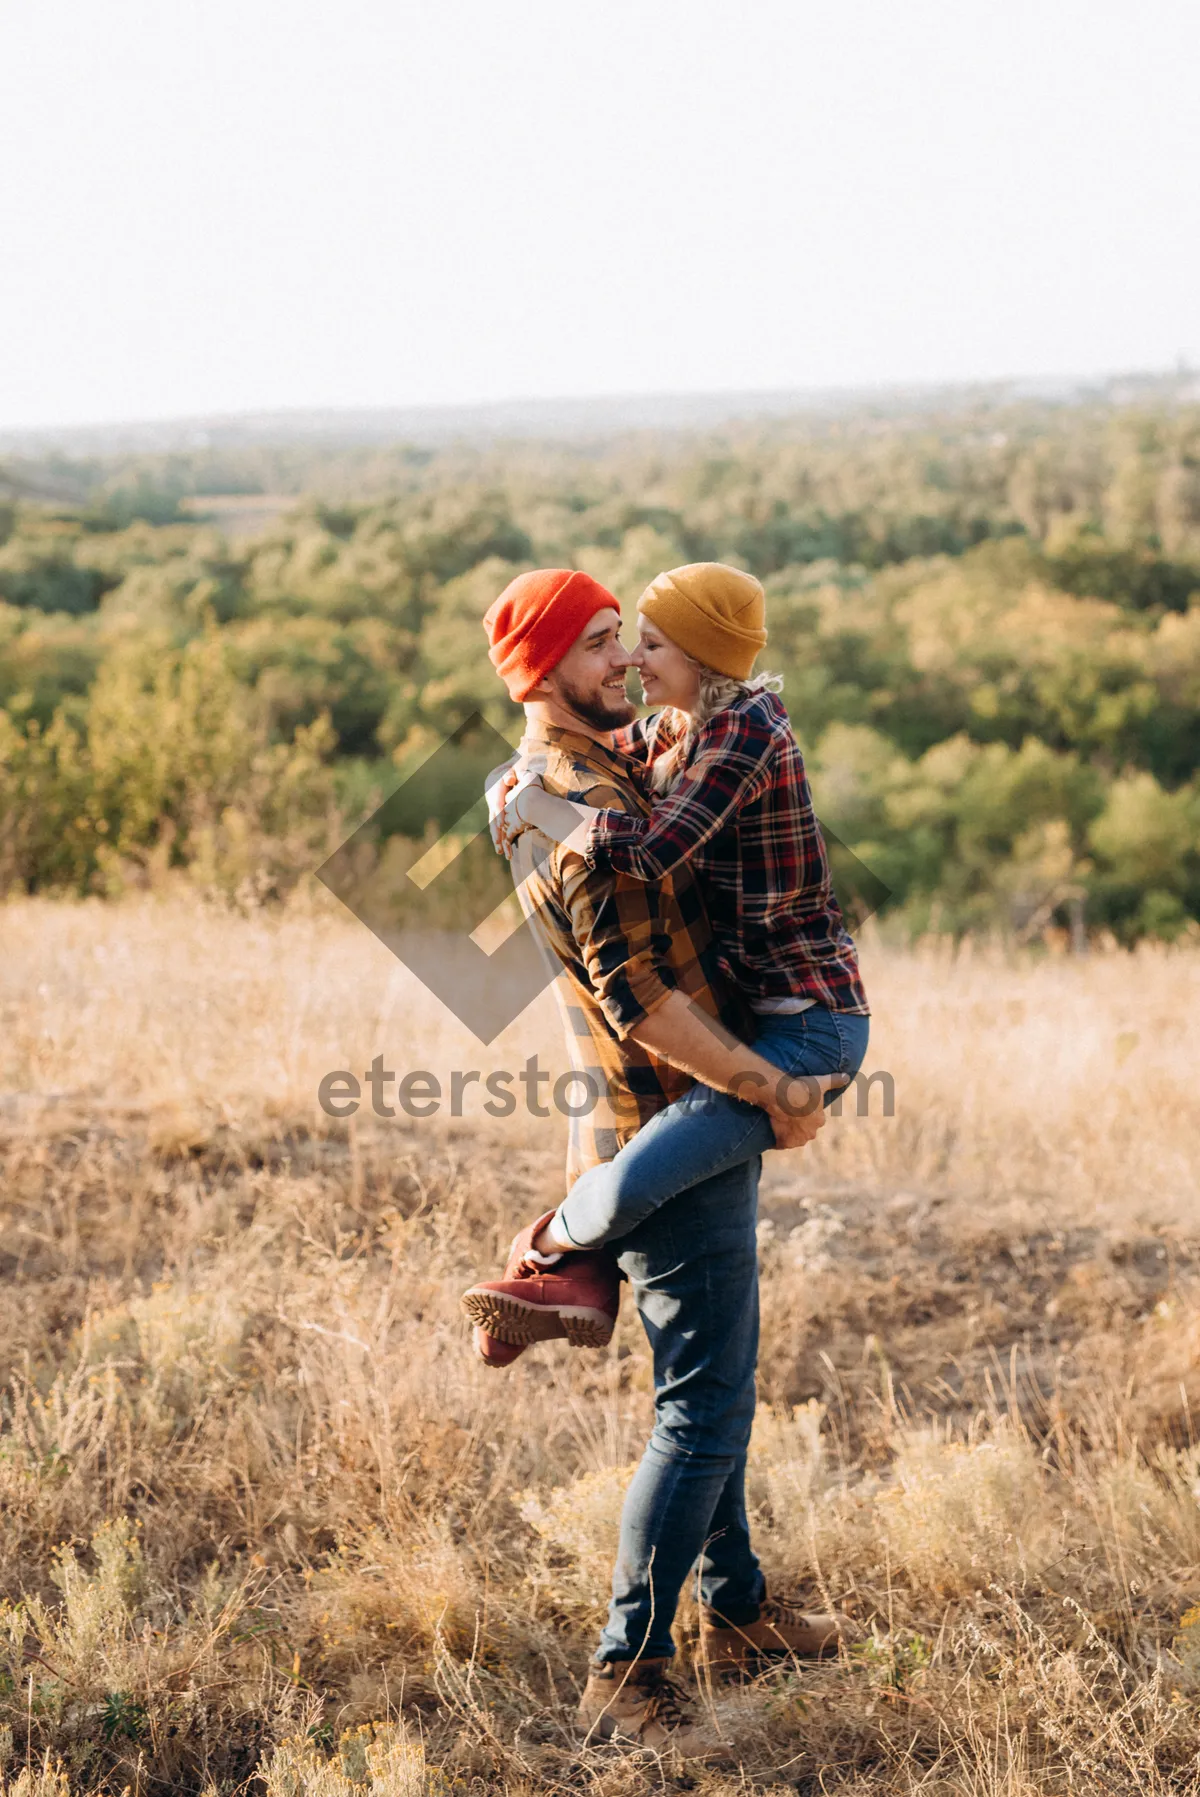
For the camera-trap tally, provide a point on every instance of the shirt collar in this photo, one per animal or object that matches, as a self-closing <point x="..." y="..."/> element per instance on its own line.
<point x="578" y="747"/>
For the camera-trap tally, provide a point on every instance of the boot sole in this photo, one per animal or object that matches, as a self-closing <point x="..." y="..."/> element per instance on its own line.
<point x="607" y="1733"/>
<point x="519" y="1324"/>
<point x="751" y="1661"/>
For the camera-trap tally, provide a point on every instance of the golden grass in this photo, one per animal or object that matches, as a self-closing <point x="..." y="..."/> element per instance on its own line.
<point x="264" y="1519"/>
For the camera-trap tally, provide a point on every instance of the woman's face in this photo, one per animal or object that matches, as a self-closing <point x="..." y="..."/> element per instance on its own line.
<point x="668" y="677"/>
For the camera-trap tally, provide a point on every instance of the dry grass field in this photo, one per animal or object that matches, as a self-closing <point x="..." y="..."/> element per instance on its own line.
<point x="264" y="1518"/>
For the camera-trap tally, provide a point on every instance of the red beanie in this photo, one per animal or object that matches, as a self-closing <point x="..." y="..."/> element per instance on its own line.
<point x="536" y="619"/>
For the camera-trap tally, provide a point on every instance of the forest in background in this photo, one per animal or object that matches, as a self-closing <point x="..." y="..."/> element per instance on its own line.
<point x="988" y="621"/>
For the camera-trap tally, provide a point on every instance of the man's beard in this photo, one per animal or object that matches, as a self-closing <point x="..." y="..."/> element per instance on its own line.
<point x="597" y="709"/>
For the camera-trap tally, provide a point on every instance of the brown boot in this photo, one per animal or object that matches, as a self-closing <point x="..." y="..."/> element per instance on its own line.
<point x="634" y="1704"/>
<point x="781" y="1632"/>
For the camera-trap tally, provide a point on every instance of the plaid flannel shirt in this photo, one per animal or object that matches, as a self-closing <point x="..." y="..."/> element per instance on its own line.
<point x="619" y="947"/>
<point x="742" y="817"/>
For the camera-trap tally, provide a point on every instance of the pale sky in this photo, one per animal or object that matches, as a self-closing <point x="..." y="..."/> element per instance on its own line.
<point x="248" y="204"/>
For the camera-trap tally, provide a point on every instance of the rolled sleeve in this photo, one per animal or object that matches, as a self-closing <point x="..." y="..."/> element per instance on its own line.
<point x="619" y="934"/>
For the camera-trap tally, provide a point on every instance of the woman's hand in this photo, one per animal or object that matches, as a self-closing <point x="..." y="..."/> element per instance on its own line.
<point x="496" y="787"/>
<point x="503" y="795"/>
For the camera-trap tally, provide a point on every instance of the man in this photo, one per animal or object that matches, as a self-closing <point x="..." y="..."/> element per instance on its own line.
<point x="645" y="1016"/>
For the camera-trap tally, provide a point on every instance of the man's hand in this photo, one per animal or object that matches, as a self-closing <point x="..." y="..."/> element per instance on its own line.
<point x="796" y="1109"/>
<point x="677" y="1030"/>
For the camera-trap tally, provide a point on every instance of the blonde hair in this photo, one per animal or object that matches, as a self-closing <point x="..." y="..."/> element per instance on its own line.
<point x="716" y="692"/>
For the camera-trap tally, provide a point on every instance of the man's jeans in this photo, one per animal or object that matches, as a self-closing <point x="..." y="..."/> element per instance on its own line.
<point x="706" y="1132"/>
<point x="693" y="1269"/>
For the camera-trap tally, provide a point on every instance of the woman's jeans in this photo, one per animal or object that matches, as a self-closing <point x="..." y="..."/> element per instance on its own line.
<point x="693" y="1268"/>
<point x="705" y="1132"/>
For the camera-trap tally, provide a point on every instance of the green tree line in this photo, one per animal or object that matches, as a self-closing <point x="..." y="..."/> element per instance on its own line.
<point x="988" y="625"/>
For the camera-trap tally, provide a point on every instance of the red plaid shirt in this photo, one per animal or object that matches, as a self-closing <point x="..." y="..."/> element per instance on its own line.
<point x="742" y="816"/>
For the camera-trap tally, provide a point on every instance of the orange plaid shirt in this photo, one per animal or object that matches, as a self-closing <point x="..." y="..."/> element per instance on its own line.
<point x="620" y="946"/>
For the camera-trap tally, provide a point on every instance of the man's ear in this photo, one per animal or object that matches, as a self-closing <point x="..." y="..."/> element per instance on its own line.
<point x="543" y="690"/>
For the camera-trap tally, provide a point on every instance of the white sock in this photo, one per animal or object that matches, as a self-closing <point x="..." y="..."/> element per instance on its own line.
<point x="542" y="1260"/>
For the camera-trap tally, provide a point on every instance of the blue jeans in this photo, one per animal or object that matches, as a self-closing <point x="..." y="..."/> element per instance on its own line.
<point x="693" y="1268"/>
<point x="706" y="1132"/>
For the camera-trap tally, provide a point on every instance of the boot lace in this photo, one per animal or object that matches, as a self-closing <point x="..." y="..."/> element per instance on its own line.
<point x="668" y="1702"/>
<point x="779" y="1609"/>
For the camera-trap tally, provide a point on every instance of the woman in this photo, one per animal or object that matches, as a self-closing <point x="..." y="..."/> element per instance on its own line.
<point x="729" y="794"/>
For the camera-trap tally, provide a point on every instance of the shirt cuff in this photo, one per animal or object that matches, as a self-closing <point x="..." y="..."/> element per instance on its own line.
<point x="629" y="1001"/>
<point x="609" y="829"/>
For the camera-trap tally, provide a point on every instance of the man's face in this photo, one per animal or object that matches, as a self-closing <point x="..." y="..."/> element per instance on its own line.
<point x="590" y="679"/>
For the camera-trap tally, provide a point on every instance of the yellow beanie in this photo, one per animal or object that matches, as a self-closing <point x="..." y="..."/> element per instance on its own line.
<point x="712" y="611"/>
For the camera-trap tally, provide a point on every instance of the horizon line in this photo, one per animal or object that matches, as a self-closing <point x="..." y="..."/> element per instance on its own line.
<point x="433" y="410"/>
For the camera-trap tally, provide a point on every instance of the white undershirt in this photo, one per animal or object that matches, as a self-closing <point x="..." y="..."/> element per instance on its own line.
<point x="780" y="1007"/>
